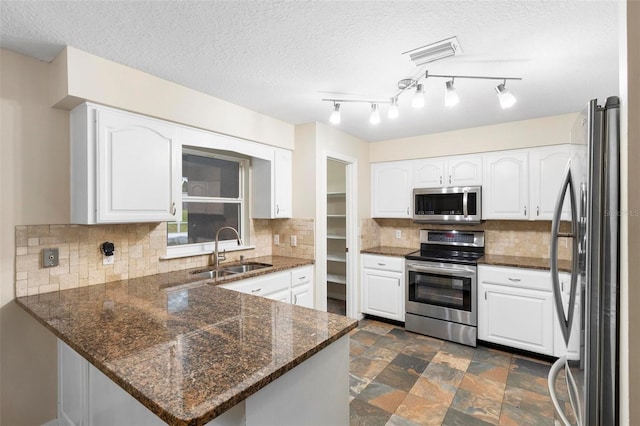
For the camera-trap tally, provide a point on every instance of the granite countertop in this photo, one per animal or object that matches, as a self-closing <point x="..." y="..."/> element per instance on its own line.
<point x="522" y="262"/>
<point x="389" y="251"/>
<point x="191" y="352"/>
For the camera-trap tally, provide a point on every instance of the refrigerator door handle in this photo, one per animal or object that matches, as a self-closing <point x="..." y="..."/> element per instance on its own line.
<point x="565" y="321"/>
<point x="555" y="369"/>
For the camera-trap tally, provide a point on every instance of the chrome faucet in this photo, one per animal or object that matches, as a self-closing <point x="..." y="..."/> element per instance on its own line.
<point x="218" y="256"/>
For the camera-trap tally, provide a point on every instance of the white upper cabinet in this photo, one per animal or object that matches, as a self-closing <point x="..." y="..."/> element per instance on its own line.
<point x="124" y="168"/>
<point x="505" y="192"/>
<point x="547" y="167"/>
<point x="464" y="170"/>
<point x="391" y="189"/>
<point x="271" y="186"/>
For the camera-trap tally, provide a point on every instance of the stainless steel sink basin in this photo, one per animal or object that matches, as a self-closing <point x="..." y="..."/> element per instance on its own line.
<point x="229" y="270"/>
<point x="245" y="267"/>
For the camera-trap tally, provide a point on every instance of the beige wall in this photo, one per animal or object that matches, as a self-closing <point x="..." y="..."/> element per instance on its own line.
<point x="631" y="203"/>
<point x="34" y="188"/>
<point x="77" y="76"/>
<point x="551" y="130"/>
<point x="304" y="171"/>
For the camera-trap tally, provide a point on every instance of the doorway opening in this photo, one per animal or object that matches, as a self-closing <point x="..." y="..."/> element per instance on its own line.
<point x="336" y="237"/>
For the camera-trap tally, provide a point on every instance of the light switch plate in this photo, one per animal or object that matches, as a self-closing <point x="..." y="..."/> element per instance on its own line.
<point x="49" y="257"/>
<point x="398" y="233"/>
<point x="276" y="239"/>
<point x="294" y="241"/>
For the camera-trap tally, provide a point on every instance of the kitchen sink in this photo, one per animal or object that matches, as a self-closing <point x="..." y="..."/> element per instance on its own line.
<point x="225" y="271"/>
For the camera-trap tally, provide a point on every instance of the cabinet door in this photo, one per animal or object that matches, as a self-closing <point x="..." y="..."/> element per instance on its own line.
<point x="572" y="351"/>
<point x="428" y="173"/>
<point x="282" y="189"/>
<point x="383" y="294"/>
<point x="302" y="296"/>
<point x="73" y="373"/>
<point x="547" y="167"/>
<point x="505" y="194"/>
<point x="516" y="317"/>
<point x="138" y="169"/>
<point x="464" y="171"/>
<point x="391" y="189"/>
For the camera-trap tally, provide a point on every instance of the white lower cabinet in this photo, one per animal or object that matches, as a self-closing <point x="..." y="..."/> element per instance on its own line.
<point x="383" y="286"/>
<point x="516" y="308"/>
<point x="572" y="350"/>
<point x="291" y="286"/>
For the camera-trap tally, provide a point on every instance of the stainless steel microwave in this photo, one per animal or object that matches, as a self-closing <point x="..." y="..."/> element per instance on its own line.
<point x="448" y="205"/>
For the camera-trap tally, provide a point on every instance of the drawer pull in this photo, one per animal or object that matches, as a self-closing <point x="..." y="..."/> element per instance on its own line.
<point x="255" y="290"/>
<point x="302" y="277"/>
<point x="382" y="264"/>
<point x="515" y="280"/>
<point x="485" y="295"/>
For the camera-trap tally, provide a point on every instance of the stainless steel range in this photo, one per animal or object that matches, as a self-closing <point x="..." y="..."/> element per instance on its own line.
<point x="442" y="286"/>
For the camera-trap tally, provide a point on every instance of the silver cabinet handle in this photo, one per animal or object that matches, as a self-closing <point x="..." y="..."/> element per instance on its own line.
<point x="440" y="180"/>
<point x="277" y="209"/>
<point x="449" y="178"/>
<point x="382" y="264"/>
<point x="173" y="208"/>
<point x="295" y="299"/>
<point x="485" y="295"/>
<point x="407" y="211"/>
<point x="525" y="210"/>
<point x="302" y="277"/>
<point x="398" y="282"/>
<point x="255" y="290"/>
<point x="515" y="280"/>
<point x="537" y="210"/>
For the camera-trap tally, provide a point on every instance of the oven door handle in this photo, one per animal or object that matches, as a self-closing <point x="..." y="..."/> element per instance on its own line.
<point x="441" y="271"/>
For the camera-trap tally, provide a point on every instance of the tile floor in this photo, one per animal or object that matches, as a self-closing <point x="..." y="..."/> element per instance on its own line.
<point x="398" y="378"/>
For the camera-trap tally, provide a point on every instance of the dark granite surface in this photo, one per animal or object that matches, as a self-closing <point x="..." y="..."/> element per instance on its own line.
<point x="522" y="262"/>
<point x="187" y="352"/>
<point x="389" y="251"/>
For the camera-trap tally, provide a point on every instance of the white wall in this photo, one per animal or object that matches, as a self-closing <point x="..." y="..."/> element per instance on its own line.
<point x="34" y="189"/>
<point x="551" y="130"/>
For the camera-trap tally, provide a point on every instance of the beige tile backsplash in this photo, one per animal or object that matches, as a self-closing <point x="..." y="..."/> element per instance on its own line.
<point x="513" y="238"/>
<point x="139" y="248"/>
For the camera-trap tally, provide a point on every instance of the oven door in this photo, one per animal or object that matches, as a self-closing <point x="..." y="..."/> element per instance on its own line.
<point x="442" y="290"/>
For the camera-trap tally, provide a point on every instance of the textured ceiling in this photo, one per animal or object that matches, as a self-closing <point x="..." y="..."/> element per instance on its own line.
<point x="282" y="57"/>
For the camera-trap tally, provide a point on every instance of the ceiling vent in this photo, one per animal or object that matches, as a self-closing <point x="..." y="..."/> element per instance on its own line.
<point x="435" y="51"/>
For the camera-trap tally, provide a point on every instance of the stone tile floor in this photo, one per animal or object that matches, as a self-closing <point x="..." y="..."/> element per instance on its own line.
<point x="399" y="378"/>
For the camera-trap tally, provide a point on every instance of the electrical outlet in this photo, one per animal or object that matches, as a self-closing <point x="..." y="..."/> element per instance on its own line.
<point x="108" y="260"/>
<point x="49" y="257"/>
<point x="276" y="239"/>
<point x="294" y="241"/>
<point x="398" y="233"/>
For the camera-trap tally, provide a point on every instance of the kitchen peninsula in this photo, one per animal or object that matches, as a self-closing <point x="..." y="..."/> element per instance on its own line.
<point x="195" y="353"/>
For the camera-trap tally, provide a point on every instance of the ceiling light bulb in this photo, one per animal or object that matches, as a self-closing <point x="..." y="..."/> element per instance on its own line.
<point x="450" y="96"/>
<point x="506" y="99"/>
<point x="393" y="112"/>
<point x="374" y="118"/>
<point x="418" y="97"/>
<point x="335" y="115"/>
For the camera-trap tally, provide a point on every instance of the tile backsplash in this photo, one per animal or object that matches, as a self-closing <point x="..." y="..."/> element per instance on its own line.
<point x="513" y="238"/>
<point x="138" y="252"/>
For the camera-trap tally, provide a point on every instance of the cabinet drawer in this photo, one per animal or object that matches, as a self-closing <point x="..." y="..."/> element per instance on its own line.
<point x="300" y="276"/>
<point x="386" y="263"/>
<point x="261" y="285"/>
<point x="515" y="277"/>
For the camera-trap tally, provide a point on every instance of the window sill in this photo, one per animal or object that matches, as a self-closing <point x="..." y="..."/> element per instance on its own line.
<point x="189" y="251"/>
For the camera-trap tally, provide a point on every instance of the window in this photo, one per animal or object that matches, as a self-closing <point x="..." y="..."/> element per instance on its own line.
<point x="212" y="198"/>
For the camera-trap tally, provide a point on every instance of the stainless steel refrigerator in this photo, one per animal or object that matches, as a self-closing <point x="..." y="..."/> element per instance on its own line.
<point x="591" y="185"/>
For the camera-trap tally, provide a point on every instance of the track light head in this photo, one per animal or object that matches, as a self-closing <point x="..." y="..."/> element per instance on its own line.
<point x="335" y="114"/>
<point x="374" y="118"/>
<point x="507" y="100"/>
<point x="393" y="112"/>
<point x="418" y="97"/>
<point x="451" y="98"/>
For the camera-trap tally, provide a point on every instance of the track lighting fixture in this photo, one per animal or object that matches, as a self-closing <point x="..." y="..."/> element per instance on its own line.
<point x="451" y="98"/>
<point x="418" y="101"/>
<point x="418" y="97"/>
<point x="374" y="118"/>
<point x="335" y="115"/>
<point x="507" y="100"/>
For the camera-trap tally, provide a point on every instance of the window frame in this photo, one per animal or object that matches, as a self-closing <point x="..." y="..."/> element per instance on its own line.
<point x="195" y="249"/>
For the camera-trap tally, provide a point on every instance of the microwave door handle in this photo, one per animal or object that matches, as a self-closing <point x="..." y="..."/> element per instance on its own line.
<point x="465" y="204"/>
